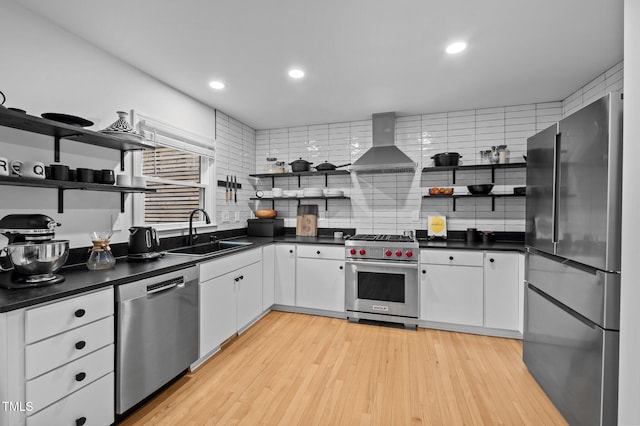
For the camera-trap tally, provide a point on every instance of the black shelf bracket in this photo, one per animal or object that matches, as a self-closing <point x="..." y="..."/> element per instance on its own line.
<point x="122" y="161"/>
<point x="298" y="181"/>
<point x="56" y="150"/>
<point x="60" y="200"/>
<point x="122" y="199"/>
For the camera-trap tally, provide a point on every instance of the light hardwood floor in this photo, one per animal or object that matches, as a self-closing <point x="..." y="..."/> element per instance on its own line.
<point x="301" y="369"/>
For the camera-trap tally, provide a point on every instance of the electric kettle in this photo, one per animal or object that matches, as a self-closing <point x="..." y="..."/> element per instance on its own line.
<point x="143" y="242"/>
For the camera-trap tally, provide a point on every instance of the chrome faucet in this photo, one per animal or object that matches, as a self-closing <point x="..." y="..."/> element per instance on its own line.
<point x="193" y="237"/>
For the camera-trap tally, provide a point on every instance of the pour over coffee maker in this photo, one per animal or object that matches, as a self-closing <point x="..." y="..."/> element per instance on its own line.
<point x="101" y="256"/>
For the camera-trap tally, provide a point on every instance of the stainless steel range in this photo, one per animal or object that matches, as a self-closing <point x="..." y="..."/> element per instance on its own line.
<point x="382" y="279"/>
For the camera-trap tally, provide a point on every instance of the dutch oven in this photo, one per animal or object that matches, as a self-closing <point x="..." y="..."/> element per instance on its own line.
<point x="446" y="159"/>
<point x="300" y="165"/>
<point x="323" y="167"/>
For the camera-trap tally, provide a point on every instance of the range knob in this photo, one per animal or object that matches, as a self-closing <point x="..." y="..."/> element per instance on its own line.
<point x="352" y="251"/>
<point x="362" y="252"/>
<point x="388" y="253"/>
<point x="409" y="253"/>
<point x="399" y="253"/>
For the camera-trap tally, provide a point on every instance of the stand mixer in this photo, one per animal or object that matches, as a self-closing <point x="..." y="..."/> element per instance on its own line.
<point x="32" y="253"/>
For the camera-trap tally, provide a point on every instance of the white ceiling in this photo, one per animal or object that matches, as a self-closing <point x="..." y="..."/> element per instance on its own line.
<point x="360" y="56"/>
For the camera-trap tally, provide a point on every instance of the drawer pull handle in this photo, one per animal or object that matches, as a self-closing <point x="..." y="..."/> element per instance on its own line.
<point x="81" y="344"/>
<point x="424" y="271"/>
<point x="341" y="267"/>
<point x="450" y="257"/>
<point x="290" y="251"/>
<point x="80" y="313"/>
<point x="80" y="376"/>
<point x="318" y="252"/>
<point x="236" y="279"/>
<point x="81" y="421"/>
<point x="242" y="277"/>
<point x="491" y="260"/>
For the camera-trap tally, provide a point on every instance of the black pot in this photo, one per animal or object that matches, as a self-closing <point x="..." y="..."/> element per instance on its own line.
<point x="323" y="167"/>
<point x="446" y="159"/>
<point x="480" y="189"/>
<point x="300" y="165"/>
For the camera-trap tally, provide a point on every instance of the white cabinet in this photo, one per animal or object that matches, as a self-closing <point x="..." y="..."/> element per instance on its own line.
<point x="248" y="295"/>
<point x="472" y="288"/>
<point x="58" y="358"/>
<point x="268" y="276"/>
<point x="230" y="297"/>
<point x="320" y="278"/>
<point x="501" y="290"/>
<point x="285" y="275"/>
<point x="452" y="294"/>
<point x="217" y="312"/>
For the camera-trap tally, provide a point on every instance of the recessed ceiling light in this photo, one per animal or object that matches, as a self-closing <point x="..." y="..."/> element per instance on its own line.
<point x="216" y="85"/>
<point x="296" y="73"/>
<point x="456" y="47"/>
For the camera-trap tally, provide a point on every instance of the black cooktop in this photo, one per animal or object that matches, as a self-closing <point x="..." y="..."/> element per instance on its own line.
<point x="382" y="237"/>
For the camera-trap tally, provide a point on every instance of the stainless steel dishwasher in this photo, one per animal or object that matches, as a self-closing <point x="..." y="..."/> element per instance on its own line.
<point x="157" y="333"/>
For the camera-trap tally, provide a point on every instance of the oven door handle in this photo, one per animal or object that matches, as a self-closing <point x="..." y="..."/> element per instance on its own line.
<point x="386" y="264"/>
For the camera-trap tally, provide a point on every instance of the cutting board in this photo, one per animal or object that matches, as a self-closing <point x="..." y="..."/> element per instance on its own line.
<point x="307" y="220"/>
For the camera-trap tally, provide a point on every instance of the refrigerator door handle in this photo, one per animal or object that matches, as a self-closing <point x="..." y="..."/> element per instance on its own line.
<point x="559" y="305"/>
<point x="556" y="191"/>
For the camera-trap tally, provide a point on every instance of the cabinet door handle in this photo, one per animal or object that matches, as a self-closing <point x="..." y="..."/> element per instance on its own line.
<point x="80" y="313"/>
<point x="424" y="271"/>
<point x="81" y="421"/>
<point x="236" y="279"/>
<point x="81" y="376"/>
<point x="318" y="252"/>
<point x="341" y="267"/>
<point x="450" y="257"/>
<point x="81" y="344"/>
<point x="290" y="251"/>
<point x="491" y="260"/>
<point x="242" y="277"/>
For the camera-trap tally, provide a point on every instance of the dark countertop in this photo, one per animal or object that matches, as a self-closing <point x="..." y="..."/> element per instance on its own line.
<point x="79" y="280"/>
<point x="463" y="245"/>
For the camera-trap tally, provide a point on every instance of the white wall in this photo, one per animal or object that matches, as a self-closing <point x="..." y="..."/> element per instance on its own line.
<point x="389" y="202"/>
<point x="629" y="386"/>
<point x="47" y="69"/>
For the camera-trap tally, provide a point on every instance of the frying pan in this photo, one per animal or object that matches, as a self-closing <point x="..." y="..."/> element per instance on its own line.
<point x="323" y="167"/>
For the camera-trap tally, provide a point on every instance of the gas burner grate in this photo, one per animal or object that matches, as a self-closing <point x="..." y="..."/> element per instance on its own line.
<point x="382" y="237"/>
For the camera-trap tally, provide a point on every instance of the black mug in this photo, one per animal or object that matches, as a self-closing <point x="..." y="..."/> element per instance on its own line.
<point x="107" y="176"/>
<point x="472" y="235"/>
<point x="84" y="175"/>
<point x="59" y="172"/>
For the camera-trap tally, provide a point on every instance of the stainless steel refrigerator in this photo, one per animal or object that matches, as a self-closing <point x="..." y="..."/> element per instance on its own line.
<point x="572" y="278"/>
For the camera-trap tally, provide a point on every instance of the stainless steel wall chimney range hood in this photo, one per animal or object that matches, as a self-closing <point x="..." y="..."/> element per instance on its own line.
<point x="383" y="156"/>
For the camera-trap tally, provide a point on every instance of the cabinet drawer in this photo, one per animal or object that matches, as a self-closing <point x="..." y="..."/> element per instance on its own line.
<point x="321" y="252"/>
<point x="452" y="257"/>
<point x="50" y="353"/>
<point x="221" y="266"/>
<point x="62" y="381"/>
<point x="46" y="321"/>
<point x="93" y="403"/>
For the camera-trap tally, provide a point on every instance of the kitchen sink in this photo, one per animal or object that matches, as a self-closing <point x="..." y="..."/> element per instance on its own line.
<point x="206" y="249"/>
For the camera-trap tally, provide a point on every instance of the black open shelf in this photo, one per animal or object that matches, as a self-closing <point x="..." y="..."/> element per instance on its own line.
<point x="489" y="195"/>
<point x="492" y="167"/>
<point x="62" y="185"/>
<point x="326" y="199"/>
<point x="324" y="173"/>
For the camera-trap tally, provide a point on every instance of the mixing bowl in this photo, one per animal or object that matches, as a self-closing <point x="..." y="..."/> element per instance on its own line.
<point x="38" y="258"/>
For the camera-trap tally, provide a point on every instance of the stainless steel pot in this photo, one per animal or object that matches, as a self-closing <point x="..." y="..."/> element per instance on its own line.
<point x="31" y="258"/>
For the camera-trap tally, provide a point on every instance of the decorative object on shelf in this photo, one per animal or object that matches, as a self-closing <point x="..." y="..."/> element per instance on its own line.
<point x="271" y="166"/>
<point x="437" y="227"/>
<point x="122" y="128"/>
<point x="440" y="191"/>
<point x="485" y="156"/>
<point x="266" y="214"/>
<point x="447" y="159"/>
<point x="4" y="166"/>
<point x="67" y="119"/>
<point x="101" y="256"/>
<point x="281" y="167"/>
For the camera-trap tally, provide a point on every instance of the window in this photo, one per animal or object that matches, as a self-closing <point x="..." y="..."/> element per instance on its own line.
<point x="180" y="169"/>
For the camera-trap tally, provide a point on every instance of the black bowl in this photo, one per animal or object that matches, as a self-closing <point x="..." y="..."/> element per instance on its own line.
<point x="480" y="189"/>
